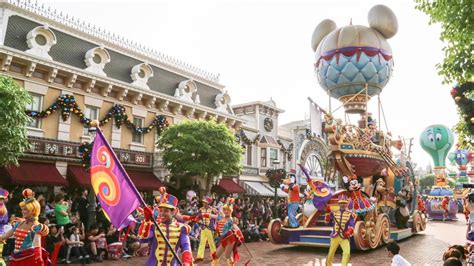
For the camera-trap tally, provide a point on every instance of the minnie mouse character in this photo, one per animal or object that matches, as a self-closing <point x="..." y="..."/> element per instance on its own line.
<point x="359" y="201"/>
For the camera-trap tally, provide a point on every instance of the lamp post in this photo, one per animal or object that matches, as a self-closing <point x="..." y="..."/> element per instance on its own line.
<point x="275" y="163"/>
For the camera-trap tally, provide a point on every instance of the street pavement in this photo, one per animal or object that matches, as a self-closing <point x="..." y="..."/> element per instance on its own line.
<point x="422" y="249"/>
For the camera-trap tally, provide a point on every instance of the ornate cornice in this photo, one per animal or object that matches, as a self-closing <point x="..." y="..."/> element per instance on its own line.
<point x="57" y="19"/>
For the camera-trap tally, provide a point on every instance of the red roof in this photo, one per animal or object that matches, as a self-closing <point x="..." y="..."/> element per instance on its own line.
<point x="144" y="180"/>
<point x="227" y="186"/>
<point x="79" y="175"/>
<point x="35" y="173"/>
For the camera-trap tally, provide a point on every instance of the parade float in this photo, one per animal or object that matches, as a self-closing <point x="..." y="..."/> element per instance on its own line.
<point x="353" y="64"/>
<point x="437" y="140"/>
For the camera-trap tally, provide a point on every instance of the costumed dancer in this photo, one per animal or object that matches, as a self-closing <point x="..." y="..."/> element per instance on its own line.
<point x="469" y="207"/>
<point x="444" y="207"/>
<point x="230" y="235"/>
<point x="357" y="202"/>
<point x="207" y="228"/>
<point x="420" y="204"/>
<point x="343" y="222"/>
<point x="289" y="186"/>
<point x="177" y="234"/>
<point x="3" y="220"/>
<point x="27" y="234"/>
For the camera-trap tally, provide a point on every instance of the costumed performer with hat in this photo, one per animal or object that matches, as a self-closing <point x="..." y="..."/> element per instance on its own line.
<point x="207" y="228"/>
<point x="3" y="220"/>
<point x="176" y="233"/>
<point x="230" y="235"/>
<point x="343" y="222"/>
<point x="27" y="234"/>
<point x="289" y="186"/>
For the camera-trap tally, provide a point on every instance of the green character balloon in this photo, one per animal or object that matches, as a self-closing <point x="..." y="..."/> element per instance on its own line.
<point x="452" y="158"/>
<point x="437" y="140"/>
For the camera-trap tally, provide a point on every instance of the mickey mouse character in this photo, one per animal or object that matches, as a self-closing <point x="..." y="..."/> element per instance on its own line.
<point x="359" y="201"/>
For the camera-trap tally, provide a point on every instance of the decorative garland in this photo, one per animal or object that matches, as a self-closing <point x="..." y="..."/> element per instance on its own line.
<point x="275" y="176"/>
<point x="268" y="124"/>
<point x="67" y="104"/>
<point x="288" y="151"/>
<point x="240" y="136"/>
<point x="85" y="153"/>
<point x="464" y="98"/>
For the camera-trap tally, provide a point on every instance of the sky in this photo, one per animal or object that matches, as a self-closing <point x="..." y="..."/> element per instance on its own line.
<point x="261" y="49"/>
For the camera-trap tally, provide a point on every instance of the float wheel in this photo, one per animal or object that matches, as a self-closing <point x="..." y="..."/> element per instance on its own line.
<point x="274" y="228"/>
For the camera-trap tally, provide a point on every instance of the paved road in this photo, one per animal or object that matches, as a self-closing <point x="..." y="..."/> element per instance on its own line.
<point x="423" y="249"/>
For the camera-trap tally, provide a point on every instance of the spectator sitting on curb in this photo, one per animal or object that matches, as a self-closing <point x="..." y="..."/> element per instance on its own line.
<point x="393" y="252"/>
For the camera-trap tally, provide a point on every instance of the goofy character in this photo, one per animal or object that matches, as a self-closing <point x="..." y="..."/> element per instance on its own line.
<point x="343" y="222"/>
<point x="289" y="186"/>
<point x="207" y="228"/>
<point x="359" y="201"/>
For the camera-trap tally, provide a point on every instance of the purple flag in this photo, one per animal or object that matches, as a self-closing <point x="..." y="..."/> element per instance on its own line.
<point x="114" y="189"/>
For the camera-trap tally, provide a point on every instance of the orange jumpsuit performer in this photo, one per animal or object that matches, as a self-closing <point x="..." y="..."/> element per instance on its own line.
<point x="421" y="204"/>
<point x="27" y="233"/>
<point x="444" y="206"/>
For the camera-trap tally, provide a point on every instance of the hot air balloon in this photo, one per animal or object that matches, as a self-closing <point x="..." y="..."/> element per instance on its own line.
<point x="462" y="160"/>
<point x="437" y="140"/>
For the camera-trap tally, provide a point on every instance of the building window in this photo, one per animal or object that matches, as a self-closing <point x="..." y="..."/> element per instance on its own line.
<point x="137" y="138"/>
<point x="263" y="157"/>
<point x="35" y="105"/>
<point x="249" y="154"/>
<point x="273" y="155"/>
<point x="92" y="113"/>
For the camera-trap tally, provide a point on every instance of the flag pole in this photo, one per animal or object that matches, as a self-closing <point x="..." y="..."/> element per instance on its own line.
<point x="138" y="195"/>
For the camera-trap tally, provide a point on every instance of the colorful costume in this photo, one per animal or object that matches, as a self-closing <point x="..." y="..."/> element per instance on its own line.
<point x="358" y="203"/>
<point x="3" y="220"/>
<point x="319" y="192"/>
<point x="444" y="206"/>
<point x="343" y="222"/>
<point x="421" y="205"/>
<point x="293" y="191"/>
<point x="27" y="234"/>
<point x="176" y="233"/>
<point x="230" y="235"/>
<point x="207" y="229"/>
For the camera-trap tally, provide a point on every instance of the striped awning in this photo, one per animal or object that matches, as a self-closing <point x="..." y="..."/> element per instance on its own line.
<point x="257" y="189"/>
<point x="280" y="193"/>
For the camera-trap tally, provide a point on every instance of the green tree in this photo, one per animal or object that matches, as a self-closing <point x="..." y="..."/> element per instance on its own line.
<point x="13" y="118"/>
<point x="427" y="181"/>
<point x="457" y="32"/>
<point x="200" y="148"/>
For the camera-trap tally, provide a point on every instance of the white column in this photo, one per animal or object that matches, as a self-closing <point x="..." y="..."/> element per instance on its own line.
<point x="116" y="135"/>
<point x="64" y="127"/>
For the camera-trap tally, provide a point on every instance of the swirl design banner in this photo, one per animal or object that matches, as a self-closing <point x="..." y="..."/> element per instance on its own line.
<point x="114" y="189"/>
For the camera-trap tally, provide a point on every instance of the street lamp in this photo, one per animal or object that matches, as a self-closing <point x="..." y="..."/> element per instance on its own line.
<point x="275" y="163"/>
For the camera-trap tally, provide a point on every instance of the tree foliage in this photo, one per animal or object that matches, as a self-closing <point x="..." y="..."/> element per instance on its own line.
<point x="457" y="32"/>
<point x="13" y="120"/>
<point x="427" y="181"/>
<point x="201" y="148"/>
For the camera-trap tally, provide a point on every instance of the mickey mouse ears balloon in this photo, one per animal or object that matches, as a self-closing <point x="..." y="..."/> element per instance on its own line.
<point x="437" y="140"/>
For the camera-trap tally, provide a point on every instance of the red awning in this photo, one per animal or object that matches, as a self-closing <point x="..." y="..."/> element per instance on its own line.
<point x="79" y="175"/>
<point x="144" y="180"/>
<point x="34" y="173"/>
<point x="227" y="186"/>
